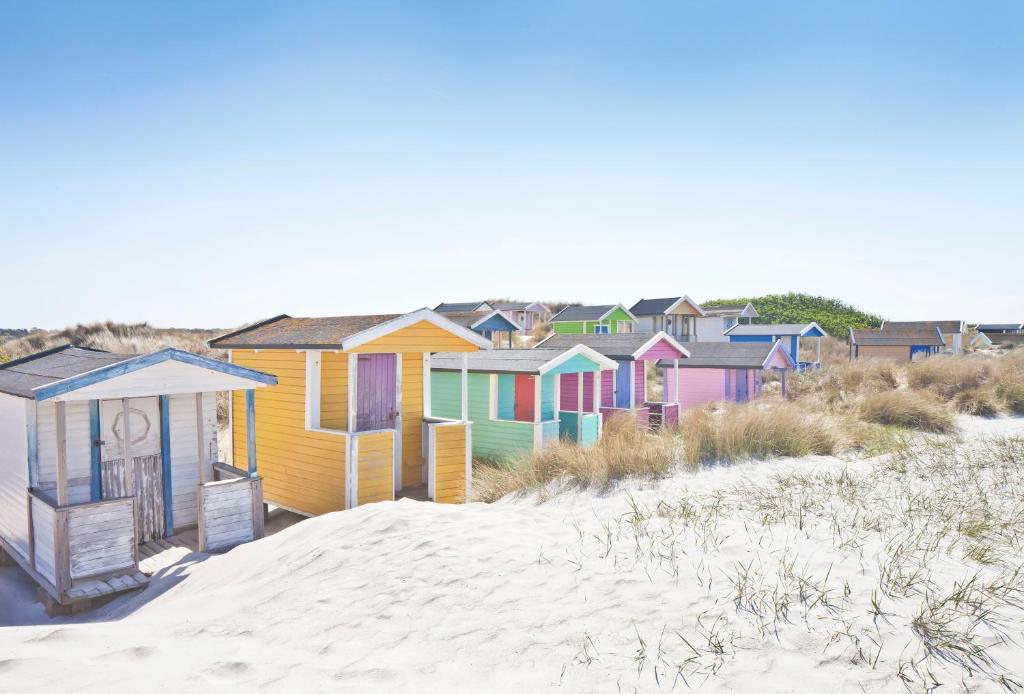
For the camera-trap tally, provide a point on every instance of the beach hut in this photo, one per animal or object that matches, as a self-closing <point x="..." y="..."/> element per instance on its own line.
<point x="791" y="335"/>
<point x="1001" y="328"/>
<point x="495" y="325"/>
<point x="723" y="372"/>
<point x="981" y="341"/>
<point x="711" y="326"/>
<point x="609" y="319"/>
<point x="952" y="331"/>
<point x="526" y="313"/>
<point x="72" y="512"/>
<point x="901" y="345"/>
<point x="513" y="397"/>
<point x="627" y="391"/>
<point x="676" y="316"/>
<point x="350" y="421"/>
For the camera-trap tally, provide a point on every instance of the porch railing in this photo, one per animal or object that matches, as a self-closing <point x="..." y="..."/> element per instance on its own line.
<point x="80" y="541"/>
<point x="449" y="467"/>
<point x="662" y="414"/>
<point x="230" y="511"/>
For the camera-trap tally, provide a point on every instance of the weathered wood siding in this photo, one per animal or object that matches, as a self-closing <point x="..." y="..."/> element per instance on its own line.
<point x="101" y="537"/>
<point x="79" y="449"/>
<point x="897" y="352"/>
<point x="302" y="470"/>
<point x="375" y="457"/>
<point x="43" y="529"/>
<point x="14" y="471"/>
<point x="227" y="514"/>
<point x="185" y="455"/>
<point x="148" y="492"/>
<point x="450" y="468"/>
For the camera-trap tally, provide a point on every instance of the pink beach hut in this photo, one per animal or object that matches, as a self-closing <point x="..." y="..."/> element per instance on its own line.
<point x="723" y="371"/>
<point x="626" y="390"/>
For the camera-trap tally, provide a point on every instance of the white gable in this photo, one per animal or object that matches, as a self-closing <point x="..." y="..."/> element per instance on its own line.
<point x="166" y="378"/>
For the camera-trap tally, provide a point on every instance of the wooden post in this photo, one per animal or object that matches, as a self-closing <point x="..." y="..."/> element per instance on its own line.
<point x="250" y="430"/>
<point x="200" y="439"/>
<point x="426" y="385"/>
<point x="538" y="428"/>
<point x="61" y="553"/>
<point x="579" y="407"/>
<point x="817" y="351"/>
<point x="465" y="386"/>
<point x="353" y="376"/>
<point x="675" y="374"/>
<point x="129" y="465"/>
<point x="62" y="453"/>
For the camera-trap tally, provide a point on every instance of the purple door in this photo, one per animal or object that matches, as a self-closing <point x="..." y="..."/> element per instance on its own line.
<point x="375" y="392"/>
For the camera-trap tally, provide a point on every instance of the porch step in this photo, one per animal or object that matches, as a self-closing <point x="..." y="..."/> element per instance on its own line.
<point x="90" y="588"/>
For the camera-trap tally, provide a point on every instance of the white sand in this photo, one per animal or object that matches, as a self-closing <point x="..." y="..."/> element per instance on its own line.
<point x="577" y="594"/>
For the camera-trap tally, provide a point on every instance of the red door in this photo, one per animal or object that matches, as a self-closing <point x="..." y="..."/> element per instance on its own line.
<point x="524" y="398"/>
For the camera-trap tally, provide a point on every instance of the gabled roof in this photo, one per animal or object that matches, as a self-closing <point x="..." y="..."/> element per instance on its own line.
<point x="615" y="346"/>
<point x="730" y="355"/>
<point x="658" y="307"/>
<point x="474" y="319"/>
<point x="67" y="368"/>
<point x="588" y="313"/>
<point x="982" y="327"/>
<point x="919" y="337"/>
<point x="535" y="306"/>
<point x="337" y="332"/>
<point x="947" y="327"/>
<point x="460" y="307"/>
<point x="732" y="311"/>
<point x="777" y="330"/>
<point x="530" y="361"/>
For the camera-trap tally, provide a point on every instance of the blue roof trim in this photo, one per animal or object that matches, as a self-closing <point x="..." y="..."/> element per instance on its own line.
<point x="141" y="362"/>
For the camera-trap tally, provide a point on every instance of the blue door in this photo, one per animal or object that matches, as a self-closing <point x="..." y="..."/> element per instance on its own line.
<point x="623" y="382"/>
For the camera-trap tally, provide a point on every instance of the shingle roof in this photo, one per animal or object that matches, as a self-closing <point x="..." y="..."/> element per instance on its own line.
<point x="897" y="338"/>
<point x="529" y="361"/>
<point x="468" y="319"/>
<point x="948" y="327"/>
<point x="653" y="307"/>
<point x="510" y="305"/>
<point x="982" y="327"/>
<point x="724" y="355"/>
<point x="614" y="346"/>
<point x="285" y="331"/>
<point x="780" y="329"/>
<point x="460" y="307"/>
<point x="20" y="376"/>
<point x="735" y="310"/>
<point x="578" y="313"/>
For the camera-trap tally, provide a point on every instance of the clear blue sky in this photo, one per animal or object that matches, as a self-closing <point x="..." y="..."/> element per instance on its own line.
<point x="210" y="163"/>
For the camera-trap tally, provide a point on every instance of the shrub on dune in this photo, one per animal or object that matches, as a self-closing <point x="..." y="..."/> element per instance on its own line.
<point x="909" y="410"/>
<point x="947" y="376"/>
<point x="976" y="401"/>
<point x="1013" y="394"/>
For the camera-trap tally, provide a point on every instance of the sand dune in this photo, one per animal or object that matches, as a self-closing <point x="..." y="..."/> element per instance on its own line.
<point x="757" y="577"/>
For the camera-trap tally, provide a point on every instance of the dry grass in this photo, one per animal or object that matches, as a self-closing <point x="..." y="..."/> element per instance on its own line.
<point x="135" y="338"/>
<point x="976" y="401"/>
<point x="907" y="409"/>
<point x="756" y="432"/>
<point x="626" y="450"/>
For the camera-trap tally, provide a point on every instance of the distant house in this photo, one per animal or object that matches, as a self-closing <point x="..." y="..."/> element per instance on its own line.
<point x="627" y="392"/>
<point x="1001" y="328"/>
<point x="902" y="345"/>
<point x="594" y="320"/>
<point x="463" y="307"/>
<point x="723" y="372"/>
<point x="525" y="313"/>
<point x="676" y="316"/>
<point x="512" y="396"/>
<point x="952" y="331"/>
<point x="711" y="326"/>
<point x="495" y="325"/>
<point x="790" y="333"/>
<point x="982" y="340"/>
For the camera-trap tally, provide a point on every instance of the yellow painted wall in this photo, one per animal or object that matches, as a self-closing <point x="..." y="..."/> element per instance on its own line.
<point x="376" y="467"/>
<point x="898" y="352"/>
<point x="450" y="449"/>
<point x="421" y="337"/>
<point x="303" y="470"/>
<point x="334" y="390"/>
<point x="412" y="418"/>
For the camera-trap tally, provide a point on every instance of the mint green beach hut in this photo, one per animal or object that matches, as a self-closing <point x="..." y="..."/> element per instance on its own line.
<point x="512" y="397"/>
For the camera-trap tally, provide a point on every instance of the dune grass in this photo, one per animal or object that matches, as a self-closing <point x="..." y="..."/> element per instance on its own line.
<point x="907" y="409"/>
<point x="121" y="338"/>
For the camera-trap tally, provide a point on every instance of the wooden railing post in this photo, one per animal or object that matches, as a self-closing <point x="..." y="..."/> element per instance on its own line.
<point x="61" y="552"/>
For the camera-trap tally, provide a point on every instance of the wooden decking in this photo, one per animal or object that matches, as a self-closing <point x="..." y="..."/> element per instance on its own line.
<point x="92" y="588"/>
<point x="417" y="493"/>
<point x="165" y="552"/>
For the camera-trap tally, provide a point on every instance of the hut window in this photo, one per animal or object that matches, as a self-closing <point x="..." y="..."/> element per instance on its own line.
<point x="625" y="326"/>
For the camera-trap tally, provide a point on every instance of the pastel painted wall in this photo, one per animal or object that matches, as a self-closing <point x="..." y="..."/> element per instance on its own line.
<point x="639" y="381"/>
<point x="491" y="438"/>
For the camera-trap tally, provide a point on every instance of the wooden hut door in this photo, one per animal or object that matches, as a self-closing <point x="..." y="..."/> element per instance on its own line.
<point x="623" y="383"/>
<point x="376" y="396"/>
<point x="524" y="407"/>
<point x="144" y="427"/>
<point x="742" y="385"/>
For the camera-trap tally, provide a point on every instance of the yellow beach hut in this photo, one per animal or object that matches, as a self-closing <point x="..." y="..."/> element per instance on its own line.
<point x="349" y="421"/>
